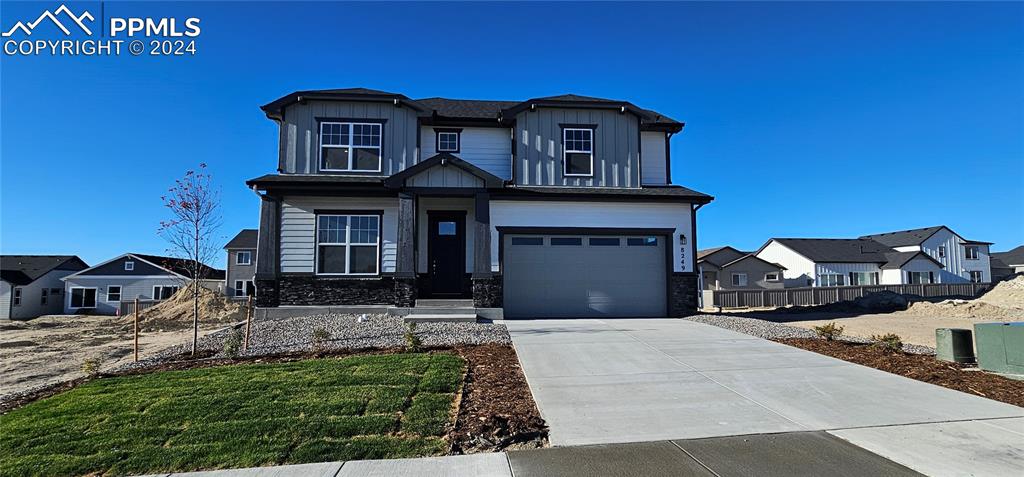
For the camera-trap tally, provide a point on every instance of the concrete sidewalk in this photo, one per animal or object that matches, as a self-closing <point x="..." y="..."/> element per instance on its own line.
<point x="641" y="380"/>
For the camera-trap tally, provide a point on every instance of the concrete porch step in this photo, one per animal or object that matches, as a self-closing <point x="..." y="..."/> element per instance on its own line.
<point x="418" y="317"/>
<point x="444" y="303"/>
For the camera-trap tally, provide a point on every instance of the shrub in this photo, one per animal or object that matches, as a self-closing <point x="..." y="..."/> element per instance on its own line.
<point x="888" y="342"/>
<point x="319" y="340"/>
<point x="91" y="366"/>
<point x="412" y="342"/>
<point x="233" y="344"/>
<point x="829" y="331"/>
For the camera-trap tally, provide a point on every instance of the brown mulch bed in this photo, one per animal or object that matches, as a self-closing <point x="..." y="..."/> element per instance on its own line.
<point x="920" y="367"/>
<point x="497" y="411"/>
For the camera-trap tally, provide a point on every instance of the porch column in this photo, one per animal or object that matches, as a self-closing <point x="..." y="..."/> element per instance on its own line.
<point x="267" y="250"/>
<point x="405" y="267"/>
<point x="482" y="236"/>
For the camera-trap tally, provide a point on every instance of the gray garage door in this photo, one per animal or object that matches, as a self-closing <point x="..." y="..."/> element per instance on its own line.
<point x="584" y="276"/>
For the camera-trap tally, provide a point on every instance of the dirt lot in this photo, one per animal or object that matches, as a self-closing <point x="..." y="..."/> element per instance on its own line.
<point x="50" y="349"/>
<point x="914" y="329"/>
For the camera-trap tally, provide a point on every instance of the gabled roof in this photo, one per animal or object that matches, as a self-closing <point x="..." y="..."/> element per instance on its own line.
<point x="177" y="266"/>
<point x="25" y="269"/>
<point x="1012" y="258"/>
<point x="246" y="238"/>
<point x="836" y="250"/>
<point x="904" y="238"/>
<point x="443" y="159"/>
<point x="899" y="259"/>
<point x="274" y="108"/>
<point x="729" y="257"/>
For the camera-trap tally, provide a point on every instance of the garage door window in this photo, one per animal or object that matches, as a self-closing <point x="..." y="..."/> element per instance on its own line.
<point x="567" y="241"/>
<point x="605" y="242"/>
<point x="642" y="242"/>
<point x="527" y="241"/>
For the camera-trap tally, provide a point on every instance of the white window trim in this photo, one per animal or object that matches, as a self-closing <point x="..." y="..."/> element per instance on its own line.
<point x="96" y="298"/>
<point x="238" y="257"/>
<point x="941" y="251"/>
<point x="119" y="290"/>
<point x="742" y="282"/>
<point x="981" y="276"/>
<point x="458" y="139"/>
<point x="129" y="266"/>
<point x="351" y="148"/>
<point x="775" y="274"/>
<point x="348" y="243"/>
<point x="840" y="279"/>
<point x="566" y="151"/>
<point x="240" y="287"/>
<point x="977" y="252"/>
<point x="155" y="287"/>
<point x="16" y="296"/>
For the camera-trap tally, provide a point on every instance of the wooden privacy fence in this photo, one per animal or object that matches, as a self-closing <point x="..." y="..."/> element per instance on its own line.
<point x="824" y="295"/>
<point x="128" y="307"/>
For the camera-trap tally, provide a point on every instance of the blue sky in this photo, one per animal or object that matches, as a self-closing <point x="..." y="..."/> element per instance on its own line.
<point x="806" y="120"/>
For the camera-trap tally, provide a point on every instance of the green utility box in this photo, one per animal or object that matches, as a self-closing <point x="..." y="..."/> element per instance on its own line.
<point x="1001" y="347"/>
<point x="954" y="344"/>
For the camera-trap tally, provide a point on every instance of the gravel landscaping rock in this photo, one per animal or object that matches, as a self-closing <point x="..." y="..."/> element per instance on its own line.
<point x="776" y="331"/>
<point x="344" y="332"/>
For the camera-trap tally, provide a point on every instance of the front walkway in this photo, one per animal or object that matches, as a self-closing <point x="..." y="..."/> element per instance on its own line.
<point x="615" y="381"/>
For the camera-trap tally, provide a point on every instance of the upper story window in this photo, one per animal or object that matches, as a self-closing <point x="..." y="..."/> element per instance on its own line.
<point x="578" y="151"/>
<point x="942" y="251"/>
<point x="971" y="252"/>
<point x="350" y="147"/>
<point x="129" y="266"/>
<point x="448" y="140"/>
<point x="243" y="258"/>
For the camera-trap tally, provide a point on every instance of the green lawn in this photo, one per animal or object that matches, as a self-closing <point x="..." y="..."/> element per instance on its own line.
<point x="361" y="407"/>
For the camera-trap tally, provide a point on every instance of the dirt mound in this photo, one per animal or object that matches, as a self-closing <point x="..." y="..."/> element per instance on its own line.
<point x="1009" y="293"/>
<point x="176" y="312"/>
<point x="972" y="309"/>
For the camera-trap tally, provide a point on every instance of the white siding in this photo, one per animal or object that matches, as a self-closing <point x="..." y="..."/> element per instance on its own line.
<point x="298" y="229"/>
<point x="798" y="270"/>
<point x="596" y="214"/>
<point x="444" y="203"/>
<point x="956" y="266"/>
<point x="652" y="158"/>
<point x="844" y="269"/>
<point x="892" y="276"/>
<point x="445" y="176"/>
<point x="487" y="148"/>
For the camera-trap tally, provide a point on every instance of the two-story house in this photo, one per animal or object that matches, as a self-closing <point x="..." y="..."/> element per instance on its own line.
<point x="550" y="207"/>
<point x="240" y="275"/>
<point x="962" y="260"/>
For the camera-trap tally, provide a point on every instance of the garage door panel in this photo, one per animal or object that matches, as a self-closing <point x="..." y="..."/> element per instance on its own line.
<point x="584" y="280"/>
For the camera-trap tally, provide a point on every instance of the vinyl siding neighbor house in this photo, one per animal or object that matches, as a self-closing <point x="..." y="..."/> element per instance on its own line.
<point x="725" y="268"/>
<point x="1007" y="264"/>
<point x="535" y="207"/>
<point x="240" y="274"/>
<point x="102" y="288"/>
<point x="929" y="255"/>
<point x="31" y="286"/>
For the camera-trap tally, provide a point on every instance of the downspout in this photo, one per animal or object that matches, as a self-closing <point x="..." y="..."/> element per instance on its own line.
<point x="693" y="254"/>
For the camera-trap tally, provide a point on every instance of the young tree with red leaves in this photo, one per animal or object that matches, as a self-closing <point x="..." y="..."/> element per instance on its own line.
<point x="194" y="204"/>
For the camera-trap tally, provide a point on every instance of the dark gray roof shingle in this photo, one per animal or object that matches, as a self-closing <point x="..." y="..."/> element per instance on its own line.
<point x="838" y="250"/>
<point x="182" y="266"/>
<point x="247" y="238"/>
<point x="1011" y="257"/>
<point x="905" y="237"/>
<point x="899" y="259"/>
<point x="25" y="269"/>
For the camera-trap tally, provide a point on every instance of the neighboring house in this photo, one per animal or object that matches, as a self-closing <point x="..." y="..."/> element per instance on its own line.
<point x="558" y="206"/>
<point x="1006" y="264"/>
<point x="101" y="289"/>
<point x="846" y="262"/>
<point x="962" y="260"/>
<point x="241" y="269"/>
<point x="31" y="286"/>
<point x="725" y="268"/>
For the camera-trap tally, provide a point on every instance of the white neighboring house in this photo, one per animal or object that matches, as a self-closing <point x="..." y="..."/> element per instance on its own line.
<point x="101" y="289"/>
<point x="30" y="285"/>
<point x="846" y="262"/>
<point x="962" y="260"/>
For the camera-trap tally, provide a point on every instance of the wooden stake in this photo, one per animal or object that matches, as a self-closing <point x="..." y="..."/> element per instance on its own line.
<point x="137" y="311"/>
<point x="248" y="324"/>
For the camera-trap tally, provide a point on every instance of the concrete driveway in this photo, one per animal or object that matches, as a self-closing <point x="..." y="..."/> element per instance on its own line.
<point x="634" y="380"/>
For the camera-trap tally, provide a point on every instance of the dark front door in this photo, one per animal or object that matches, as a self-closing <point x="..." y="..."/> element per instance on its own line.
<point x="446" y="253"/>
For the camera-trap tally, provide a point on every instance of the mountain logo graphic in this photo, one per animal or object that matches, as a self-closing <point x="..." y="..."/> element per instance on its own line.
<point x="63" y="9"/>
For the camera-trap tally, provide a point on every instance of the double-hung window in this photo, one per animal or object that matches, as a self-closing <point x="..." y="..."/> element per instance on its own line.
<point x="350" y="147"/>
<point x="17" y="297"/>
<point x="43" y="297"/>
<point x="831" y="280"/>
<point x="240" y="288"/>
<point x="977" y="276"/>
<point x="114" y="293"/>
<point x="971" y="252"/>
<point x="578" y="151"/>
<point x="348" y="244"/>
<point x="942" y="251"/>
<point x="243" y="258"/>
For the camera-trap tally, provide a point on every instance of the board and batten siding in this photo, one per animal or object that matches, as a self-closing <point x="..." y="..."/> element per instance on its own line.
<point x="595" y="214"/>
<point x="957" y="267"/>
<point x="799" y="269"/>
<point x="298" y="229"/>
<point x="653" y="162"/>
<point x="300" y="134"/>
<point x="487" y="148"/>
<point x="538" y="160"/>
<point x="445" y="176"/>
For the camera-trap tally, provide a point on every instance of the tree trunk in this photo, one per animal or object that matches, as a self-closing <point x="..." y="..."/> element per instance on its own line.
<point x="195" y="296"/>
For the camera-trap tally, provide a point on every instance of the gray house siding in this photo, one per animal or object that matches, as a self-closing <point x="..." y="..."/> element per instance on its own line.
<point x="131" y="288"/>
<point x="116" y="267"/>
<point x="538" y="148"/>
<point x="238" y="272"/>
<point x="444" y="176"/>
<point x="5" y="300"/>
<point x="300" y="141"/>
<point x="755" y="270"/>
<point x="32" y="305"/>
